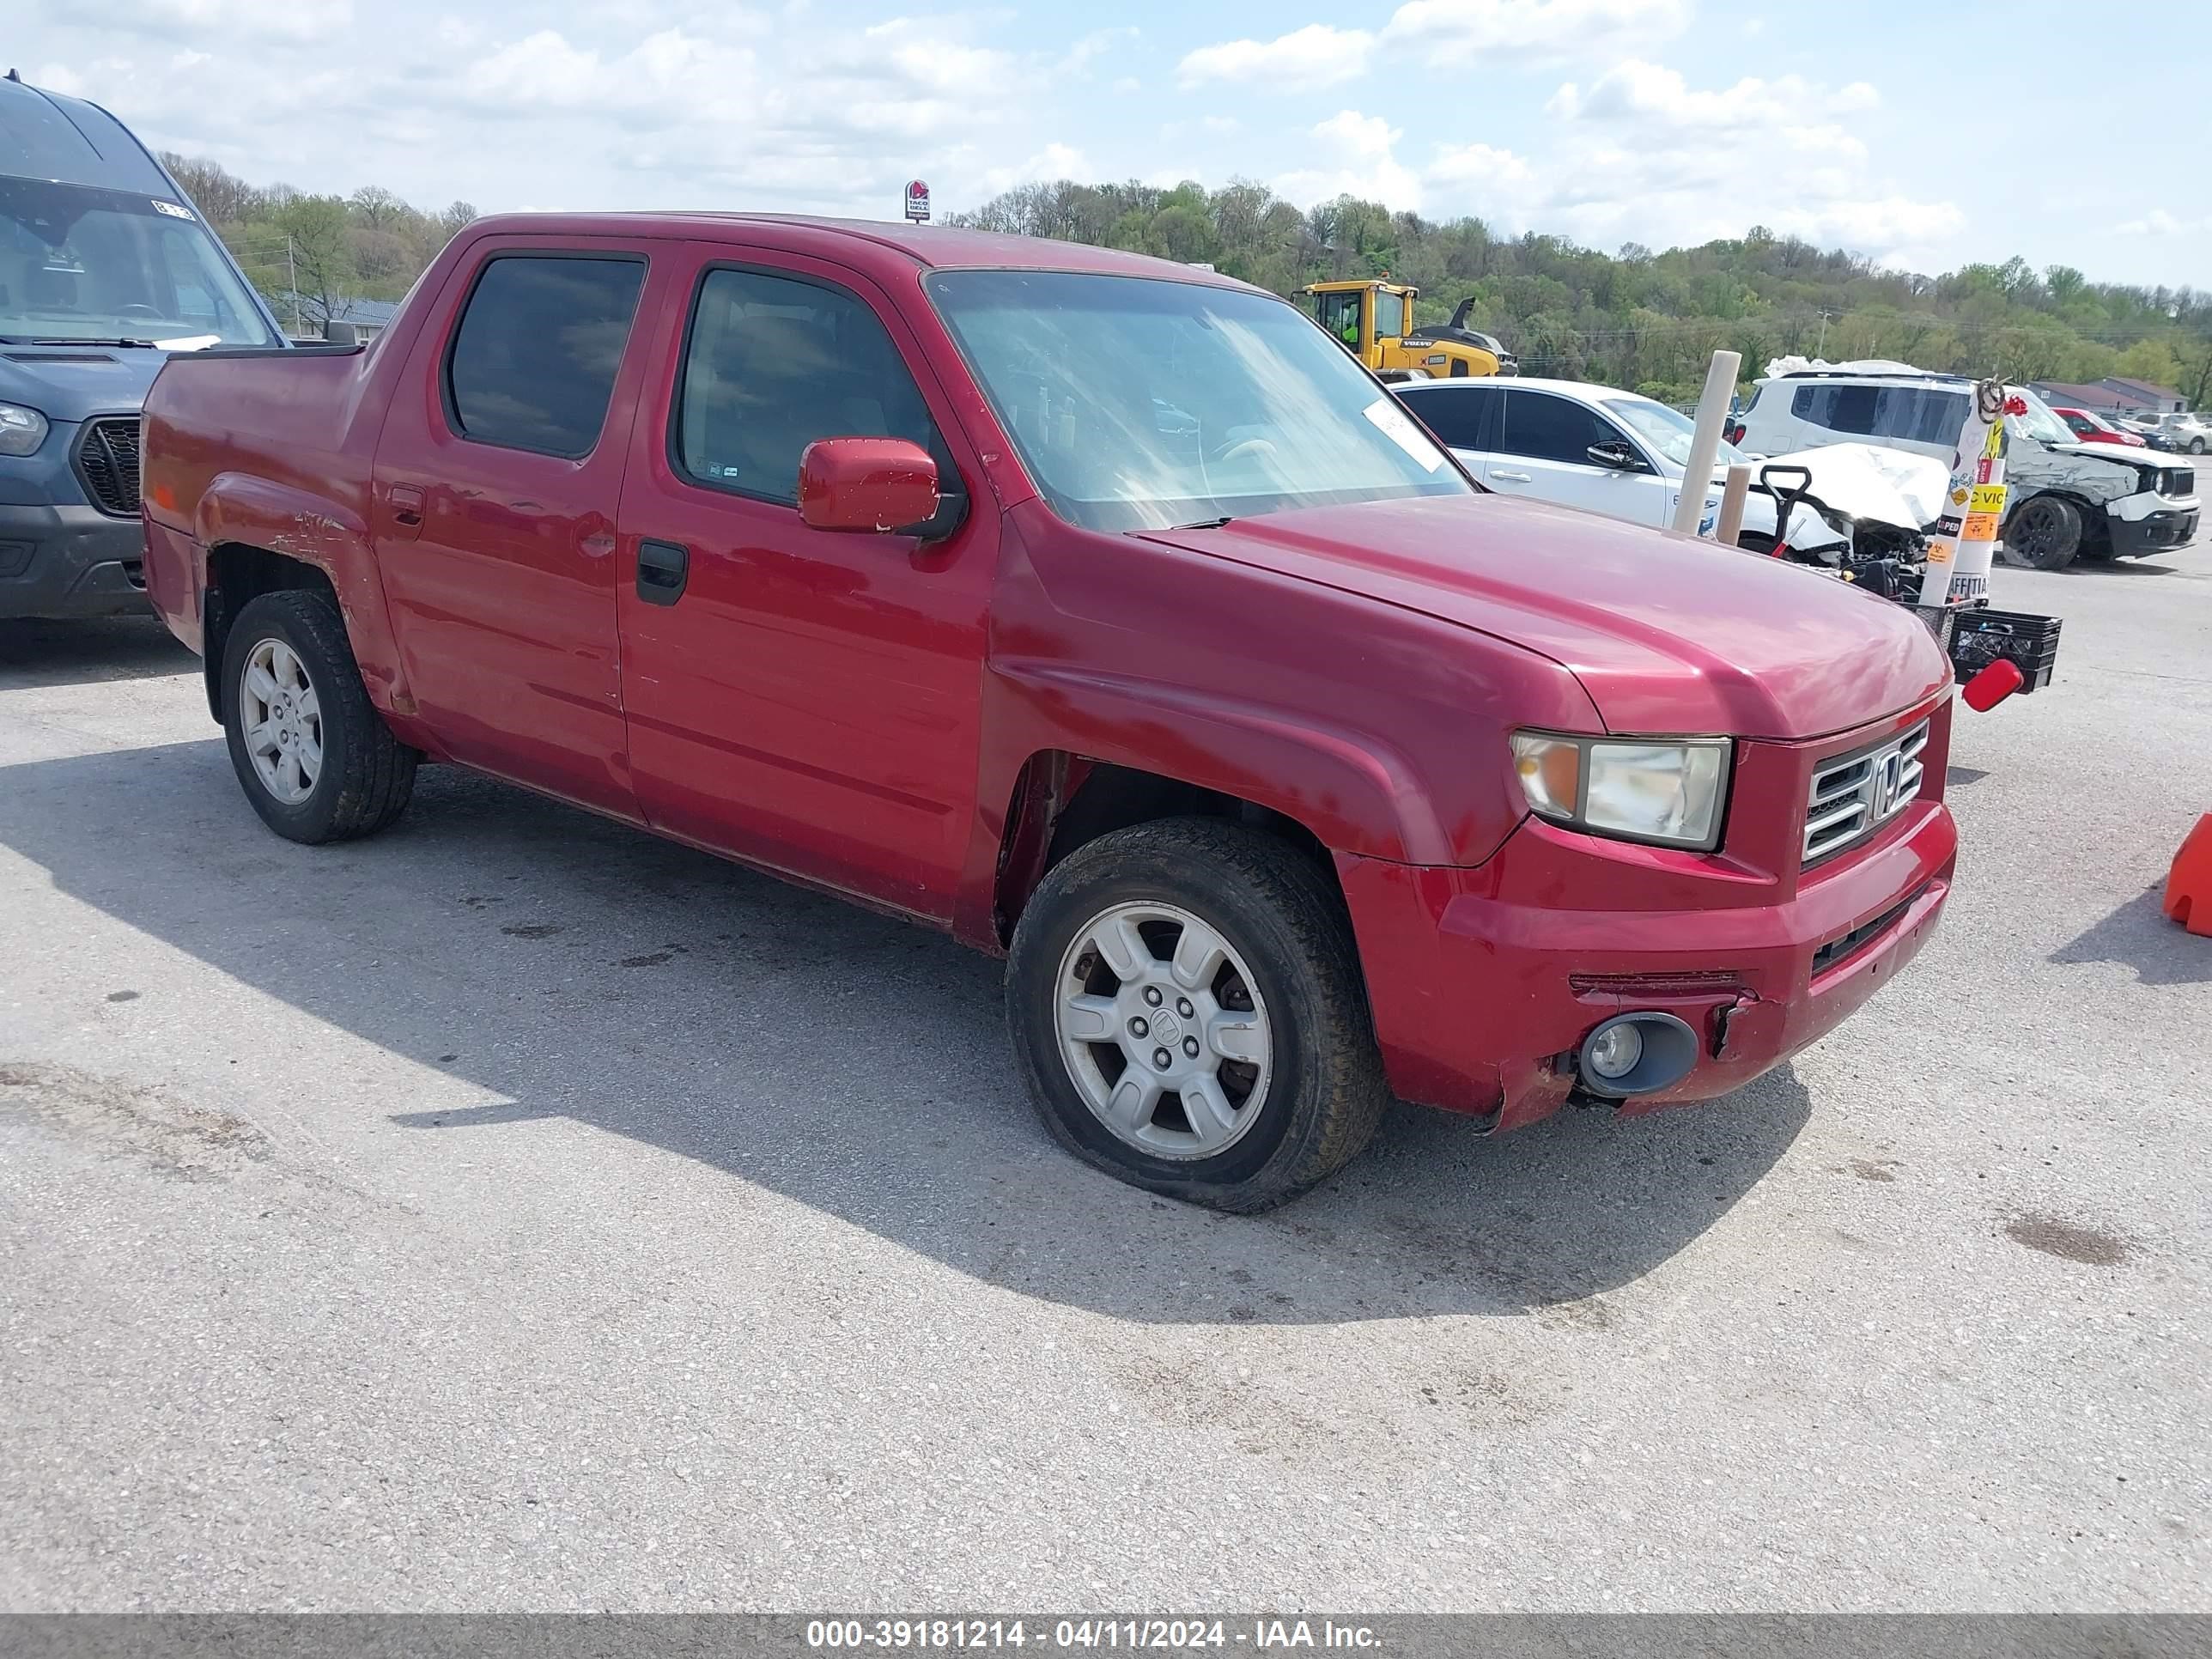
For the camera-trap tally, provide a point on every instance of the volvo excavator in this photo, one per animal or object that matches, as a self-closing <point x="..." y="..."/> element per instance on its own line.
<point x="1369" y="318"/>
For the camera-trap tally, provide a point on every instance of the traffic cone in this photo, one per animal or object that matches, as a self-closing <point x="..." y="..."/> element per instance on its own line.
<point x="2189" y="888"/>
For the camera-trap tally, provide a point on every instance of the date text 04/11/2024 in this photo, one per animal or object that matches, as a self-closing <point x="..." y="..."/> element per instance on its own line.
<point x="1160" y="1635"/>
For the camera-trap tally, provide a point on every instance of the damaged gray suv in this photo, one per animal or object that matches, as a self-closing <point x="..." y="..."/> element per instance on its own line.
<point x="2069" y="500"/>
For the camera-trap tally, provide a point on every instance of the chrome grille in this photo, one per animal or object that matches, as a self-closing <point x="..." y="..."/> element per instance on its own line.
<point x="1853" y="797"/>
<point x="107" y="461"/>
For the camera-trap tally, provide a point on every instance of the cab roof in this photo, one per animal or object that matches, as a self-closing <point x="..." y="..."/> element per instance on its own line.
<point x="44" y="135"/>
<point x="861" y="242"/>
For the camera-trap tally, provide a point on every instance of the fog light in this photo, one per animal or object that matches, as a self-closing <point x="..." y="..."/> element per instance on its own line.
<point x="1613" y="1053"/>
<point x="1638" y="1054"/>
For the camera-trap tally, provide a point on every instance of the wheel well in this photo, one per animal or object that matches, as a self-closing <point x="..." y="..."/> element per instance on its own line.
<point x="1062" y="801"/>
<point x="237" y="575"/>
<point x="2095" y="528"/>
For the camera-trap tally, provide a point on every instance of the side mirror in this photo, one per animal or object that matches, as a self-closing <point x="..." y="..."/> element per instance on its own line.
<point x="867" y="484"/>
<point x="1616" y="454"/>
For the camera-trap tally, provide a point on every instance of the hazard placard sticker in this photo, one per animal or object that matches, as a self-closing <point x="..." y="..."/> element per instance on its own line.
<point x="1980" y="527"/>
<point x="1939" y="552"/>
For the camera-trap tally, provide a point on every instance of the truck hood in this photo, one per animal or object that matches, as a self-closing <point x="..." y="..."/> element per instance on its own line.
<point x="1669" y="634"/>
<point x="68" y="383"/>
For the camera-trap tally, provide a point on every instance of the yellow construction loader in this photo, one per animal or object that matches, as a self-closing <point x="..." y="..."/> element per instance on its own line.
<point x="1371" y="317"/>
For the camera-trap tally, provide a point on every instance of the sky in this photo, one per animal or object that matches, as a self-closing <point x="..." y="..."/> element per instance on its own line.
<point x="1924" y="135"/>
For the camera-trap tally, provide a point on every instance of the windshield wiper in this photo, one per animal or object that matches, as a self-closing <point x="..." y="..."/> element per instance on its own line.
<point x="1208" y="524"/>
<point x="93" y="340"/>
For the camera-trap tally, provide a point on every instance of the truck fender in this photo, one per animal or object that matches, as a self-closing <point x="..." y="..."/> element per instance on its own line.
<point x="1355" y="791"/>
<point x="332" y="538"/>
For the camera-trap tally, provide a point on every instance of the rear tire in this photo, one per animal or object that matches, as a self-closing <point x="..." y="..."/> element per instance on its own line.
<point x="2044" y="533"/>
<point x="312" y="753"/>
<point x="1255" y="1075"/>
<point x="2196" y="445"/>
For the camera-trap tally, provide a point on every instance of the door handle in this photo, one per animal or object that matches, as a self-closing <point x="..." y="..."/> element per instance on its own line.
<point x="1512" y="477"/>
<point x="663" y="567"/>
<point x="407" y="510"/>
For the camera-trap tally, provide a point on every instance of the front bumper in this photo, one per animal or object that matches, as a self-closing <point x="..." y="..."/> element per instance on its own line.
<point x="2157" y="533"/>
<point x="69" y="562"/>
<point x="1484" y="981"/>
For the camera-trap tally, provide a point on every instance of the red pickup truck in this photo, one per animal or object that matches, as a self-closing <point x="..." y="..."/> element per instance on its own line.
<point x="1098" y="610"/>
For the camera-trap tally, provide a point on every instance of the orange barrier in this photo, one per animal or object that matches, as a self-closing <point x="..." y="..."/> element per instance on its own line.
<point x="2189" y="889"/>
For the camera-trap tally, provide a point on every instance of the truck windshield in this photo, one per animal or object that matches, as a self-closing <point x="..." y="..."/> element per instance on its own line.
<point x="1137" y="403"/>
<point x="81" y="263"/>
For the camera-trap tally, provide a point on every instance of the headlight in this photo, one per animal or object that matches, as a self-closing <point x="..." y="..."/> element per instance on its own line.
<point x="21" y="430"/>
<point x="1666" y="791"/>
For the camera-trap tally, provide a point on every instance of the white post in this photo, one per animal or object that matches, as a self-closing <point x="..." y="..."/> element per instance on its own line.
<point x="1732" y="497"/>
<point x="1705" y="442"/>
<point x="1965" y="541"/>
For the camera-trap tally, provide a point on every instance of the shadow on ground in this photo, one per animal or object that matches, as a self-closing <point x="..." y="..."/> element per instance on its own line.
<point x="2138" y="935"/>
<point x="2120" y="567"/>
<point x="35" y="653"/>
<point x="570" y="967"/>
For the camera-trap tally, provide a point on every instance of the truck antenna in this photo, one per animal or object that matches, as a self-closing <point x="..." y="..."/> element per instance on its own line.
<point x="16" y="78"/>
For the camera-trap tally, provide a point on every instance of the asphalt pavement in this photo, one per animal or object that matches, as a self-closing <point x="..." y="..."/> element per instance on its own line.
<point x="516" y="1211"/>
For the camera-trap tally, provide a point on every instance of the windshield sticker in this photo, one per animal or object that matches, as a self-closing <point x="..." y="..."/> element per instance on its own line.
<point x="174" y="210"/>
<point x="1393" y="424"/>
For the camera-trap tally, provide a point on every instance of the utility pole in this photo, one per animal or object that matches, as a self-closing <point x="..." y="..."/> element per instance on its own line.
<point x="292" y="282"/>
<point x="1824" y="331"/>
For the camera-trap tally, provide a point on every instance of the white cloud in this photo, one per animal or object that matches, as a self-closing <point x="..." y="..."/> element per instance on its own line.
<point x="263" y="20"/>
<point x="675" y="109"/>
<point x="2159" y="222"/>
<point x="1315" y="56"/>
<point x="1053" y="162"/>
<point x="1078" y="58"/>
<point x="1451" y="33"/>
<point x="1479" y="164"/>
<point x="1455" y="31"/>
<point x="1364" y="147"/>
<point x="1652" y="92"/>
<point x="1645" y="155"/>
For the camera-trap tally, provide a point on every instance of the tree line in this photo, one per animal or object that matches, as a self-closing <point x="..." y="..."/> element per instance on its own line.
<point x="313" y="253"/>
<point x="1644" y="319"/>
<point x="1634" y="318"/>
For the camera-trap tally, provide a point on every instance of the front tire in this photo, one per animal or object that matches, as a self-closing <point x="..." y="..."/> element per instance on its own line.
<point x="1186" y="1003"/>
<point x="313" y="756"/>
<point x="2045" y="534"/>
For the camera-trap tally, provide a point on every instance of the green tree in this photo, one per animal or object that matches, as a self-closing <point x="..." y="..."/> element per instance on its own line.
<point x="2152" y="361"/>
<point x="319" y="253"/>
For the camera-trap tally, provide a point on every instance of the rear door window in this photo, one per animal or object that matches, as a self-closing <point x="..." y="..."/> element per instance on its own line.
<point x="1545" y="428"/>
<point x="1463" y="417"/>
<point x="533" y="362"/>
<point x="1910" y="414"/>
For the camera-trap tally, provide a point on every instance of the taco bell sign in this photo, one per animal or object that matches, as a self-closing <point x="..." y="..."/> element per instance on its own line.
<point x="917" y="201"/>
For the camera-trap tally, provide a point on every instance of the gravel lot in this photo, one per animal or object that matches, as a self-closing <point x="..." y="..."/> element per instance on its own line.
<point x="516" y="1211"/>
